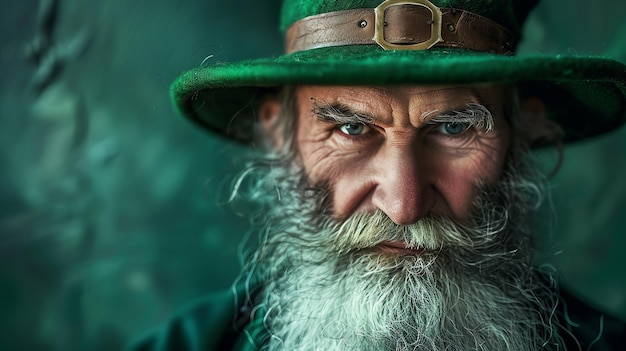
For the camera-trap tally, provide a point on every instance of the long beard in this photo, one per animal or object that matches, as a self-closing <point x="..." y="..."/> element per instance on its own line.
<point x="471" y="287"/>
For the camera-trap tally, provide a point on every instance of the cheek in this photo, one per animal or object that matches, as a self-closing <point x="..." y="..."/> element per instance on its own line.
<point x="325" y="163"/>
<point x="458" y="180"/>
<point x="325" y="156"/>
<point x="319" y="158"/>
<point x="344" y="171"/>
<point x="321" y="163"/>
<point x="314" y="152"/>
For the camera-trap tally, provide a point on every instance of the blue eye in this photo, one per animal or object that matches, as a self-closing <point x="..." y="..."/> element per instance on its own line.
<point x="453" y="128"/>
<point x="353" y="128"/>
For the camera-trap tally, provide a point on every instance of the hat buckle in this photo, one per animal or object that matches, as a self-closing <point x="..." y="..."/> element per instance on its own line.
<point x="380" y="24"/>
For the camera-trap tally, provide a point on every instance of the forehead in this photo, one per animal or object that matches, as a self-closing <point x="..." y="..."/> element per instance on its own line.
<point x="409" y="100"/>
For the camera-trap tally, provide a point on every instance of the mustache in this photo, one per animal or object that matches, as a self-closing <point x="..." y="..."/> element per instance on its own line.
<point x="432" y="234"/>
<point x="363" y="231"/>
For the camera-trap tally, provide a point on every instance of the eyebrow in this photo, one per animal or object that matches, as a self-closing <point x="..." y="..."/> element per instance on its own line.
<point x="340" y="114"/>
<point x="475" y="115"/>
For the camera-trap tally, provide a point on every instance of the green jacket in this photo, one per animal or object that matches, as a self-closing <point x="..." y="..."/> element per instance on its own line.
<point x="221" y="321"/>
<point x="213" y="325"/>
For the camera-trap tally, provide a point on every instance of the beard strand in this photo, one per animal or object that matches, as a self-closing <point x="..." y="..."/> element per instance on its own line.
<point x="326" y="287"/>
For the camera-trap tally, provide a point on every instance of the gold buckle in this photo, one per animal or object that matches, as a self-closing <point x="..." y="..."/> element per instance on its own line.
<point x="379" y="29"/>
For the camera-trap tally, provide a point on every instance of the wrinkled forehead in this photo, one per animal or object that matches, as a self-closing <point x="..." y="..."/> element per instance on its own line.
<point x="425" y="94"/>
<point x="413" y="100"/>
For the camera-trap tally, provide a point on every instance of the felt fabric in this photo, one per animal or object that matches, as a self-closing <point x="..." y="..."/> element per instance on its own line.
<point x="585" y="95"/>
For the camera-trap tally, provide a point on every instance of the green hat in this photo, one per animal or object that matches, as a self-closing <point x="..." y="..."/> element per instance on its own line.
<point x="394" y="42"/>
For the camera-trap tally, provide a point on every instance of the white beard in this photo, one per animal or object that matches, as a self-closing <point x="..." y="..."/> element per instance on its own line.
<point x="327" y="288"/>
<point x="324" y="298"/>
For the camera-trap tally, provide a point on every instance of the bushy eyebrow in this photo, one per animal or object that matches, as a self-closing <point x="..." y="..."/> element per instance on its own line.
<point x="340" y="114"/>
<point x="475" y="115"/>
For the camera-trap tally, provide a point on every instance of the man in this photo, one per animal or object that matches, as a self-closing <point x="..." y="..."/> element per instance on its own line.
<point x="395" y="181"/>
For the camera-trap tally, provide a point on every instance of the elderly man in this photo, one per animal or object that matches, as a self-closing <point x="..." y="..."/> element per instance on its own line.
<point x="395" y="181"/>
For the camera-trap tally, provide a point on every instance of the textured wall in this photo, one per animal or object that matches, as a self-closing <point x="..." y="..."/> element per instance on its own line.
<point x="111" y="212"/>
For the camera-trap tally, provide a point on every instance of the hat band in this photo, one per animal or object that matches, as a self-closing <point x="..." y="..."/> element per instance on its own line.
<point x="400" y="25"/>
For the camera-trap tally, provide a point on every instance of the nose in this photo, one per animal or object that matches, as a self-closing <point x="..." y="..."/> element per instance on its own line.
<point x="403" y="188"/>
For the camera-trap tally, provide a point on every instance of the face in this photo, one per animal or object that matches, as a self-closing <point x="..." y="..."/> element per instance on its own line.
<point x="424" y="246"/>
<point x="402" y="150"/>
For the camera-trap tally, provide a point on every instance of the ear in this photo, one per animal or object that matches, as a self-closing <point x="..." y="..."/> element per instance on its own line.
<point x="269" y="113"/>
<point x="537" y="128"/>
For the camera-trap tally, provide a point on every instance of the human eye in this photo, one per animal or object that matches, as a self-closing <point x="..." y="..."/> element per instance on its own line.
<point x="353" y="129"/>
<point x="458" y="123"/>
<point x="452" y="128"/>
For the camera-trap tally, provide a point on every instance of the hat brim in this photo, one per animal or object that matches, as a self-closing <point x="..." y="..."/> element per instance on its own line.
<point x="586" y="96"/>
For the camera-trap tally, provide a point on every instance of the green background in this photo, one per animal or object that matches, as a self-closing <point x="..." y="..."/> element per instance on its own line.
<point x="112" y="211"/>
